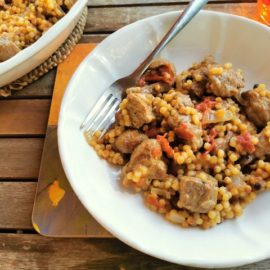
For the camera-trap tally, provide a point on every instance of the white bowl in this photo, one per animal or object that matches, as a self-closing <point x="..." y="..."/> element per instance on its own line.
<point x="34" y="55"/>
<point x="229" y="38"/>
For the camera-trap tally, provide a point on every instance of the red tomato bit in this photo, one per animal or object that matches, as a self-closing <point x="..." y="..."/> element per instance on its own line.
<point x="184" y="132"/>
<point x="245" y="141"/>
<point x="207" y="104"/>
<point x="164" y="143"/>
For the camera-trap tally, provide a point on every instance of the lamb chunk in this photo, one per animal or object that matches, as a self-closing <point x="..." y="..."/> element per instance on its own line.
<point x="139" y="108"/>
<point x="197" y="195"/>
<point x="263" y="146"/>
<point x="157" y="169"/>
<point x="159" y="71"/>
<point x="7" y="48"/>
<point x="227" y="84"/>
<point x="147" y="150"/>
<point x="147" y="154"/>
<point x="128" y="141"/>
<point x="257" y="108"/>
<point x="198" y="75"/>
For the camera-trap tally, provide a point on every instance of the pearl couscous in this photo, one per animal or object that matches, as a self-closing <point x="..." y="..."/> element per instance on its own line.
<point x="189" y="143"/>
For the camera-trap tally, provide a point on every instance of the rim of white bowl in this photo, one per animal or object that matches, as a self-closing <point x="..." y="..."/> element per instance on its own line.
<point x="106" y="223"/>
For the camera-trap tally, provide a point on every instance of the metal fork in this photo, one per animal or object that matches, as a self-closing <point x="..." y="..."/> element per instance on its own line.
<point x="101" y="116"/>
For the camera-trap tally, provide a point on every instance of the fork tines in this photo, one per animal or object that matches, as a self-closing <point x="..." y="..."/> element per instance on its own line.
<point x="102" y="114"/>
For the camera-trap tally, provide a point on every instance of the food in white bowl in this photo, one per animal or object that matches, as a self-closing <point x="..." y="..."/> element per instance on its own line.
<point x="27" y="47"/>
<point x="194" y="144"/>
<point x="231" y="243"/>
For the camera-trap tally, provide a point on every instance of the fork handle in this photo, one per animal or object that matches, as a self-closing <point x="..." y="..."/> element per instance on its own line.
<point x="184" y="18"/>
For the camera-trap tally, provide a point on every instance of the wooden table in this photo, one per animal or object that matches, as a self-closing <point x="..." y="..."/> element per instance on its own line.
<point x="23" y="120"/>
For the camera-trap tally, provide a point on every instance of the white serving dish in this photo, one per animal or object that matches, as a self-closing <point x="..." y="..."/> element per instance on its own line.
<point x="34" y="55"/>
<point x="229" y="38"/>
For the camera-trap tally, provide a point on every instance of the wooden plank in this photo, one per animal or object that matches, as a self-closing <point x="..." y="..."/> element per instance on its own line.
<point x="109" y="19"/>
<point x="24" y="117"/>
<point x="31" y="251"/>
<point x="20" y="158"/>
<point x="16" y="204"/>
<point x="93" y="38"/>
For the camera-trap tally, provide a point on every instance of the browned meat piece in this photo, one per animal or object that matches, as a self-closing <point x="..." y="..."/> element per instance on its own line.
<point x="2" y="3"/>
<point x="263" y="146"/>
<point x="257" y="108"/>
<point x="148" y="154"/>
<point x="7" y="48"/>
<point x="227" y="84"/>
<point x="195" y="79"/>
<point x="157" y="169"/>
<point x="147" y="150"/>
<point x="159" y="71"/>
<point x="139" y="108"/>
<point x="198" y="195"/>
<point x="128" y="140"/>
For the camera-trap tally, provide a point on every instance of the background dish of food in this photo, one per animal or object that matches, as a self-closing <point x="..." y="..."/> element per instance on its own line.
<point x="23" y="22"/>
<point x="32" y="56"/>
<point x="232" y="243"/>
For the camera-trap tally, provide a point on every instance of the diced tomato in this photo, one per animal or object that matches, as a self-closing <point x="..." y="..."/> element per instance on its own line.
<point x="213" y="133"/>
<point x="157" y="76"/>
<point x="184" y="132"/>
<point x="245" y="141"/>
<point x="206" y="105"/>
<point x="165" y="146"/>
<point x="153" y="201"/>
